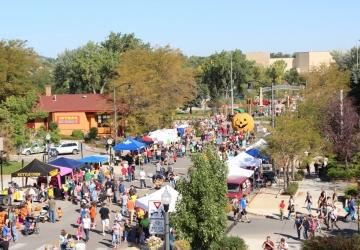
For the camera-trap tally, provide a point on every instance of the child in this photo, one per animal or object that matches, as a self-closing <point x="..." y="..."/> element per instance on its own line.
<point x="116" y="234"/>
<point x="59" y="213"/>
<point x="126" y="229"/>
<point x="118" y="216"/>
<point x="79" y="232"/>
<point x="282" y="209"/>
<point x="93" y="214"/>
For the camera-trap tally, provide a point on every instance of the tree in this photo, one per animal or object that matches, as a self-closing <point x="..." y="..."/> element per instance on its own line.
<point x="216" y="73"/>
<point x="17" y="66"/>
<point x="15" y="112"/>
<point x="276" y="71"/>
<point x="292" y="76"/>
<point x="332" y="243"/>
<point x="342" y="131"/>
<point x="280" y="55"/>
<point x="159" y="82"/>
<point x="200" y="214"/>
<point x="120" y="43"/>
<point x="87" y="69"/>
<point x="292" y="136"/>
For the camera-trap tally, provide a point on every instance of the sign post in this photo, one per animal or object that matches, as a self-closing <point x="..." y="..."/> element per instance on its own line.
<point x="156" y="216"/>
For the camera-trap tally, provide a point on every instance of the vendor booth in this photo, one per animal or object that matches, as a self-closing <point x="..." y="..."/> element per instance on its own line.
<point x="36" y="168"/>
<point x="67" y="163"/>
<point x="143" y="202"/>
<point x="95" y="159"/>
<point x="165" y="136"/>
<point x="129" y="144"/>
<point x="244" y="160"/>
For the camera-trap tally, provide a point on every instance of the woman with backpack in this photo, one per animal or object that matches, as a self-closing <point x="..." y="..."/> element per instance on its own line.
<point x="291" y="207"/>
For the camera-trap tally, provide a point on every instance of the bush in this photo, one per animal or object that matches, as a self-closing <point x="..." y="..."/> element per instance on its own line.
<point x="301" y="172"/>
<point x="341" y="173"/>
<point x="93" y="133"/>
<point x="182" y="245"/>
<point x="53" y="126"/>
<point x="351" y="191"/>
<point x="298" y="177"/>
<point x="230" y="243"/>
<point x="332" y="243"/>
<point x="292" y="188"/>
<point x="77" y="134"/>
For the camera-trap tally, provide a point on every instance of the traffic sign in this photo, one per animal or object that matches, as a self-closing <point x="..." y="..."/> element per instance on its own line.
<point x="157" y="226"/>
<point x="156" y="211"/>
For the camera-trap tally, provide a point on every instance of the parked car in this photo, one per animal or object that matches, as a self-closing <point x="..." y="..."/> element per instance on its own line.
<point x="36" y="148"/>
<point x="66" y="148"/>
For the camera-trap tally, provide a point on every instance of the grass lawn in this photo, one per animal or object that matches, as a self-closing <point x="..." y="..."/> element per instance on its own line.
<point x="10" y="167"/>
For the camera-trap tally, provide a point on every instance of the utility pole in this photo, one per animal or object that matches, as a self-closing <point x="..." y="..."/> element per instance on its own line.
<point x="341" y="112"/>
<point x="272" y="106"/>
<point x="231" y="84"/>
<point x="115" y="115"/>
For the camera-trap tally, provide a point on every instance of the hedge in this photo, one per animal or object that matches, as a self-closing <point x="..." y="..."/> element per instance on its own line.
<point x="292" y="188"/>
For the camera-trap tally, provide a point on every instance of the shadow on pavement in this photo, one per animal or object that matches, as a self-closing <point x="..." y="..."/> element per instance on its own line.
<point x="288" y="236"/>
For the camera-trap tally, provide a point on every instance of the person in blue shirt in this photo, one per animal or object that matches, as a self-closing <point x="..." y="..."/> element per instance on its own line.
<point x="243" y="205"/>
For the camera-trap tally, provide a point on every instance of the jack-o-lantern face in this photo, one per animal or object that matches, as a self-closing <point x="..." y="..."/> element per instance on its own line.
<point x="243" y="122"/>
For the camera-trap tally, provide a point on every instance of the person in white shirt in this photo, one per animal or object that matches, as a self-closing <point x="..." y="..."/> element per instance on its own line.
<point x="86" y="221"/>
<point x="142" y="178"/>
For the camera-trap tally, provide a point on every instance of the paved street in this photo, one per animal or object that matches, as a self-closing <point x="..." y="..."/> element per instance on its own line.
<point x="255" y="232"/>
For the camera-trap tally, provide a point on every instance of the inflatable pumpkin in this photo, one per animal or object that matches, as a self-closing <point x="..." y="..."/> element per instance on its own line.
<point x="243" y="122"/>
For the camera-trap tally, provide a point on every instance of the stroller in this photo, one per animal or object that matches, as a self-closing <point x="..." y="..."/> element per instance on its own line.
<point x="30" y="226"/>
<point x="44" y="214"/>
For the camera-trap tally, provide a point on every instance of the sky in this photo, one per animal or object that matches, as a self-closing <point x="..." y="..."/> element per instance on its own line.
<point x="196" y="27"/>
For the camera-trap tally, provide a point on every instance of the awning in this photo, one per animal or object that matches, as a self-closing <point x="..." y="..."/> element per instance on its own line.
<point x="36" y="168"/>
<point x="95" y="159"/>
<point x="66" y="162"/>
<point x="143" y="202"/>
<point x="129" y="144"/>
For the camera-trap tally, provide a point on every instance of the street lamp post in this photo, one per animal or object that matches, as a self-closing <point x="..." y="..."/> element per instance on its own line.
<point x="165" y="200"/>
<point x="272" y="105"/>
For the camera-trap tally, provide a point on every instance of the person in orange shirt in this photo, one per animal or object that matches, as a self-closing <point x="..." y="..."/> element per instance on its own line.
<point x="3" y="216"/>
<point x="131" y="209"/>
<point x="59" y="212"/>
<point x="93" y="214"/>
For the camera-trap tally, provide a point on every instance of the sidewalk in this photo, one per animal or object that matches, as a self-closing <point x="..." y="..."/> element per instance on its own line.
<point x="266" y="202"/>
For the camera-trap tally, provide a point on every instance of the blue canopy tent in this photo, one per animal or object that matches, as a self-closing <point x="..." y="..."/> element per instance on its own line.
<point x="257" y="154"/>
<point x="129" y="144"/>
<point x="66" y="162"/>
<point x="95" y="159"/>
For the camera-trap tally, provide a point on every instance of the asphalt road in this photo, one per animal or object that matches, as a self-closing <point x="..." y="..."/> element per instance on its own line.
<point x="255" y="232"/>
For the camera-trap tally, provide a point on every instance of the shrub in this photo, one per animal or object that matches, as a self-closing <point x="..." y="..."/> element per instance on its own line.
<point x="77" y="134"/>
<point x="298" y="177"/>
<point x="292" y="188"/>
<point x="351" y="191"/>
<point x="301" y="172"/>
<point x="230" y="243"/>
<point x="53" y="126"/>
<point x="182" y="245"/>
<point x="341" y="173"/>
<point x="332" y="243"/>
<point x="93" y="133"/>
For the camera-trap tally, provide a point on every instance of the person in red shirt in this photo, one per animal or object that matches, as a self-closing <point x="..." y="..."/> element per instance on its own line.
<point x="123" y="171"/>
<point x="282" y="209"/>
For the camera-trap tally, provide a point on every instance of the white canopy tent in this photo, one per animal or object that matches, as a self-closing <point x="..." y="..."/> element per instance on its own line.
<point x="166" y="136"/>
<point x="143" y="202"/>
<point x="258" y="144"/>
<point x="244" y="160"/>
<point x="237" y="171"/>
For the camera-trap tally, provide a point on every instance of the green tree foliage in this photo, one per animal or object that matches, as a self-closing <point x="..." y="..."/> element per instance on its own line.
<point x="18" y="64"/>
<point x="120" y="43"/>
<point x="276" y="71"/>
<point x="280" y="55"/>
<point x="15" y="111"/>
<point x="230" y="243"/>
<point x="292" y="136"/>
<point x="87" y="69"/>
<point x="292" y="76"/>
<point x="200" y="214"/>
<point x="216" y="73"/>
<point x="159" y="82"/>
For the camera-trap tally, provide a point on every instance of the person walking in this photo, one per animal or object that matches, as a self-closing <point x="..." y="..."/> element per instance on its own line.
<point x="282" y="209"/>
<point x="12" y="222"/>
<point x="86" y="224"/>
<point x="142" y="178"/>
<point x="333" y="218"/>
<point x="243" y="205"/>
<point x="93" y="214"/>
<point x="105" y="218"/>
<point x="308" y="202"/>
<point x="124" y="202"/>
<point x="291" y="207"/>
<point x="52" y="209"/>
<point x="268" y="244"/>
<point x="5" y="236"/>
<point x="298" y="225"/>
<point x="131" y="209"/>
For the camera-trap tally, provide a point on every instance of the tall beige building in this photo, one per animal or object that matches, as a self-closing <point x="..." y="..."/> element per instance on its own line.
<point x="303" y="61"/>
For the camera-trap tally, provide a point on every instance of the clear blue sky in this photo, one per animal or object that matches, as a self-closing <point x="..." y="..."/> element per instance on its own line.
<point x="197" y="27"/>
